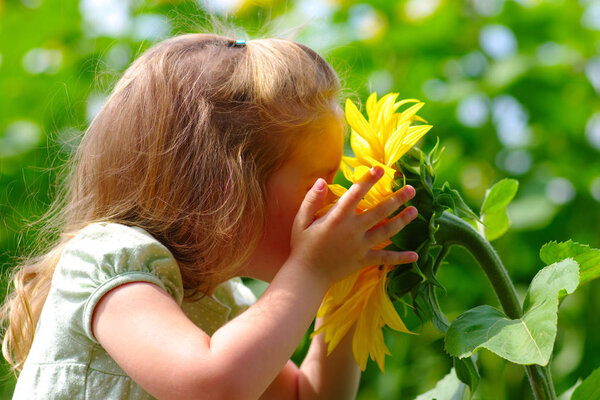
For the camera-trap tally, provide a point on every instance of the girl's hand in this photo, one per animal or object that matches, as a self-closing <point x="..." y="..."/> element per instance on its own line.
<point x="341" y="241"/>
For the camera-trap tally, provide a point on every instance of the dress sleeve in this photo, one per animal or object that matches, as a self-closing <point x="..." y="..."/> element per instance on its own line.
<point x="106" y="255"/>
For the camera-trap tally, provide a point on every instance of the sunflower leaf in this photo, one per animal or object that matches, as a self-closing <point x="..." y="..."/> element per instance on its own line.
<point x="527" y="340"/>
<point x="431" y="307"/>
<point x="449" y="388"/>
<point x="589" y="389"/>
<point x="435" y="154"/>
<point x="426" y="264"/>
<point x="499" y="195"/>
<point x="411" y="161"/>
<point x="427" y="173"/>
<point x="446" y="197"/>
<point x="587" y="257"/>
<point x="467" y="372"/>
<point x="401" y="281"/>
<point x="493" y="209"/>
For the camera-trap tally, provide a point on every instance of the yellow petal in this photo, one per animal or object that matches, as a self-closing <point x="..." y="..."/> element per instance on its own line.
<point x="383" y="114"/>
<point x="402" y="102"/>
<point x="360" y="172"/>
<point x="341" y="289"/>
<point x="371" y="103"/>
<point x="379" y="350"/>
<point x="410" y="112"/>
<point x="338" y="190"/>
<point x="386" y="114"/>
<point x="351" y="161"/>
<point x="339" y="332"/>
<point x="337" y="323"/>
<point x="360" y="346"/>
<point x="417" y="118"/>
<point x="346" y="170"/>
<point x="393" y="144"/>
<point x="387" y="171"/>
<point x="360" y="146"/>
<point x="388" y="312"/>
<point x="413" y="135"/>
<point x="327" y="306"/>
<point x="344" y="309"/>
<point x="361" y="126"/>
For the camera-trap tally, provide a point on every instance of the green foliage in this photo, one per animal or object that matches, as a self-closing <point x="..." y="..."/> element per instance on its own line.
<point x="419" y="170"/>
<point x="452" y="200"/>
<point x="528" y="340"/>
<point x="589" y="388"/>
<point x="493" y="210"/>
<point x="448" y="388"/>
<point x="587" y="257"/>
<point x="466" y="370"/>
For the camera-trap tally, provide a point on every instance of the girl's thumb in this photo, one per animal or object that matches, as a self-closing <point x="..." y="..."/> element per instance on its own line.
<point x="313" y="201"/>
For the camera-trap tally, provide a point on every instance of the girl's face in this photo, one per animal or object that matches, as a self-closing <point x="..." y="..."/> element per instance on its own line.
<point x="318" y="156"/>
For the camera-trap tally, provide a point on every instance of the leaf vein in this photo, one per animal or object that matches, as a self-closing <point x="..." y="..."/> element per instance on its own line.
<point x="532" y="339"/>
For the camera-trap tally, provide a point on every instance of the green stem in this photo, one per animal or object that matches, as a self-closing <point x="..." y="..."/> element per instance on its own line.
<point x="455" y="231"/>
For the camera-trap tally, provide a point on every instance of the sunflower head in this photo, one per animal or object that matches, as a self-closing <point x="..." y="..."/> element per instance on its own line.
<point x="387" y="139"/>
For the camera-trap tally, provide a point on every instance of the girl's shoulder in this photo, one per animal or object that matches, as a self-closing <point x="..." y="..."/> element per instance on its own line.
<point x="112" y="232"/>
<point x="106" y="254"/>
<point x="102" y="239"/>
<point x="65" y="356"/>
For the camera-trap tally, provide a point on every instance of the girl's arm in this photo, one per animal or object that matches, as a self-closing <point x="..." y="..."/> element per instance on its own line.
<point x="329" y="377"/>
<point x="320" y="376"/>
<point x="148" y="335"/>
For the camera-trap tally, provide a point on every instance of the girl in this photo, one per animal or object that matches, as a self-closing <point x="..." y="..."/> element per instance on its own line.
<point x="206" y="163"/>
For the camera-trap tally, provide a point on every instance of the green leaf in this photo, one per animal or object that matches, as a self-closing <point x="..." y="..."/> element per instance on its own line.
<point x="527" y="340"/>
<point x="402" y="280"/>
<point x="495" y="225"/>
<point x="566" y="395"/>
<point x="587" y="257"/>
<point x="467" y="372"/>
<point x="451" y="199"/>
<point x="589" y="388"/>
<point x="500" y="195"/>
<point x="493" y="210"/>
<point x="449" y="388"/>
<point x="431" y="307"/>
<point x="434" y="156"/>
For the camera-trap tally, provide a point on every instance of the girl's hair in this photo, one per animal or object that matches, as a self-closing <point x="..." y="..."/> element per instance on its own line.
<point x="183" y="148"/>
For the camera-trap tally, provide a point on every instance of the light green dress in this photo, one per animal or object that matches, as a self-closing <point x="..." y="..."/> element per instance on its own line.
<point x="65" y="361"/>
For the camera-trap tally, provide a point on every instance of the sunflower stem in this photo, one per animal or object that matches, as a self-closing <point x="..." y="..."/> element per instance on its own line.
<point x="455" y="231"/>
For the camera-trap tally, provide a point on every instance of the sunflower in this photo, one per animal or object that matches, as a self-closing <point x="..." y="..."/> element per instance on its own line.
<point x="362" y="298"/>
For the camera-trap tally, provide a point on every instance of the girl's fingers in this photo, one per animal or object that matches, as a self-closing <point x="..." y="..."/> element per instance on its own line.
<point x="387" y="207"/>
<point x="312" y="202"/>
<point x="391" y="227"/>
<point x="388" y="257"/>
<point x="349" y="200"/>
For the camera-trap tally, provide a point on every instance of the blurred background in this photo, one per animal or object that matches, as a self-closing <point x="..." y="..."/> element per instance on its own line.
<point x="511" y="87"/>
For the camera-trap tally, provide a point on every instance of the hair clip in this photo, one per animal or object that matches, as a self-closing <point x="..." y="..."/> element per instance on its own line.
<point x="240" y="42"/>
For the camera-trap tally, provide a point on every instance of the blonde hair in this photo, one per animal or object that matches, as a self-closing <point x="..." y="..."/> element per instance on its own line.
<point x="183" y="148"/>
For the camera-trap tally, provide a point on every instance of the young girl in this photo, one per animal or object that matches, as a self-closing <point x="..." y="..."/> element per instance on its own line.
<point x="205" y="164"/>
